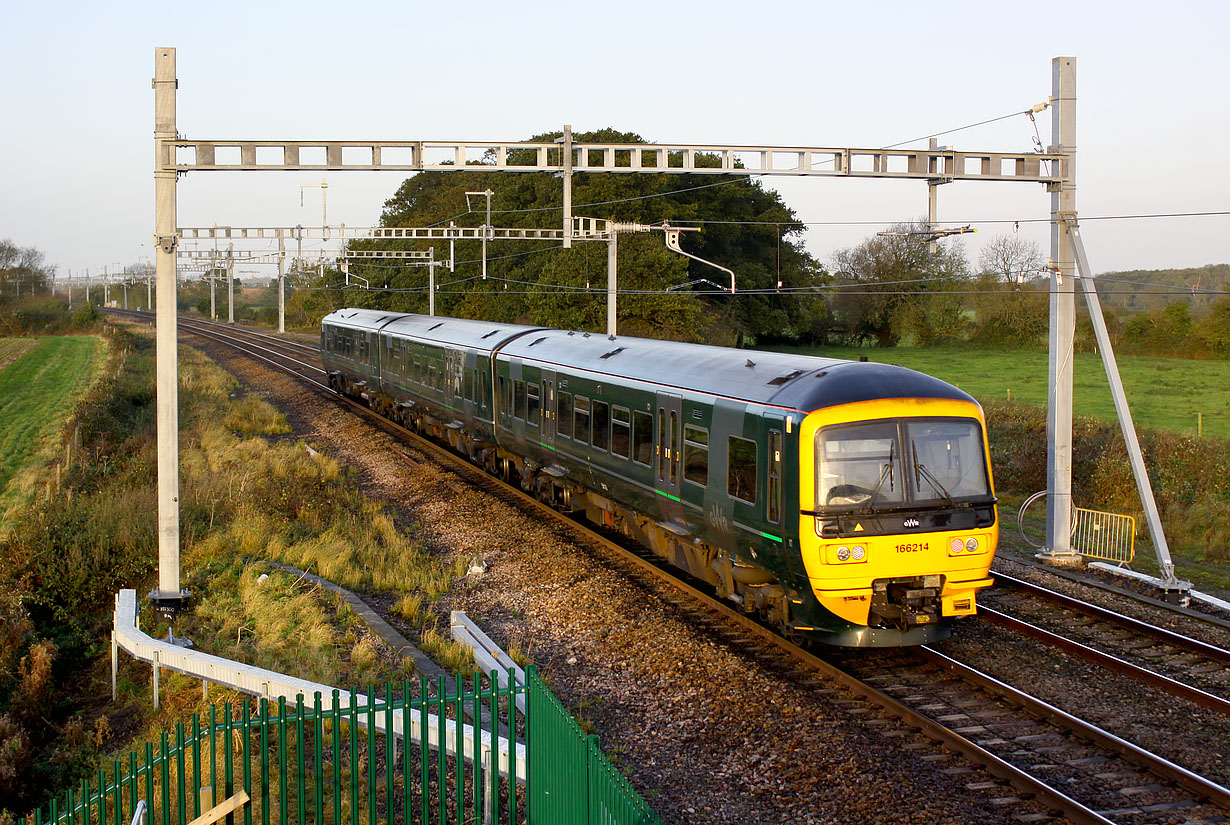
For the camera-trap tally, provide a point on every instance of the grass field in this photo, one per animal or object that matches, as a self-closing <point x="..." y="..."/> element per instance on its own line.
<point x="12" y="348"/>
<point x="38" y="390"/>
<point x="1164" y="393"/>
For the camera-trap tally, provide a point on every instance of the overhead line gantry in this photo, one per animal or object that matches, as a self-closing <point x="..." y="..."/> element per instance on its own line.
<point x="1054" y="168"/>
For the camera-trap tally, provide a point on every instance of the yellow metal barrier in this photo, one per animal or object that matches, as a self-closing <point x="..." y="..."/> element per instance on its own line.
<point x="1107" y="536"/>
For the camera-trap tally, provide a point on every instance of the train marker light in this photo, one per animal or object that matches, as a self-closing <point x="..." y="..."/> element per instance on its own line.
<point x="971" y="545"/>
<point x="858" y="552"/>
<point x="843" y="553"/>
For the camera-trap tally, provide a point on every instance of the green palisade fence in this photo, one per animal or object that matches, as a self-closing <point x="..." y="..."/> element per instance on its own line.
<point x="331" y="764"/>
<point x="571" y="781"/>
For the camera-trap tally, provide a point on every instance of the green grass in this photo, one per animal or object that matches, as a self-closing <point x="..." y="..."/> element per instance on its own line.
<point x="12" y="348"/>
<point x="38" y="391"/>
<point x="1163" y="393"/>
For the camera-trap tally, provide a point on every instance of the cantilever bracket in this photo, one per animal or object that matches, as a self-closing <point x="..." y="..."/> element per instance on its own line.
<point x="673" y="235"/>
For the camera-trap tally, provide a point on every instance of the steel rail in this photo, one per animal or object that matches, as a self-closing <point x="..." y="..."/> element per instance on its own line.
<point x="1149" y="677"/>
<point x="1216" y="794"/>
<point x="1197" y="615"/>
<point x="1127" y="622"/>
<point x="993" y="764"/>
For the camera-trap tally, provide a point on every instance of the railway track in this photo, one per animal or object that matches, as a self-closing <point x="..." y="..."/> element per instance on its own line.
<point x="1052" y="760"/>
<point x="1180" y="665"/>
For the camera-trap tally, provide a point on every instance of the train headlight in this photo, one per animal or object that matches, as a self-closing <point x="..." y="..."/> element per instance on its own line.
<point x="858" y="553"/>
<point x="843" y="553"/>
<point x="971" y="545"/>
<point x="956" y="546"/>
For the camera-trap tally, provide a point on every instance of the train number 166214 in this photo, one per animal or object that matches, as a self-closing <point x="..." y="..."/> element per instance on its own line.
<point x="914" y="547"/>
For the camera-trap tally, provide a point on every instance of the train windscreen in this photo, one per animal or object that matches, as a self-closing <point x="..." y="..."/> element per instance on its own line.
<point x="914" y="461"/>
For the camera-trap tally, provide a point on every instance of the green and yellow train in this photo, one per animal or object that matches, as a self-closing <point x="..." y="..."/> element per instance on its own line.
<point x="845" y="501"/>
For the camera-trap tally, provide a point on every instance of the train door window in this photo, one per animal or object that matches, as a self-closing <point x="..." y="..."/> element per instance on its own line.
<point x="580" y="429"/>
<point x="532" y="405"/>
<point x="741" y="469"/>
<point x="363" y="348"/>
<point x="664" y="447"/>
<point x="433" y="377"/>
<point x="642" y="438"/>
<point x="468" y="394"/>
<point x="602" y="424"/>
<point x="775" y="476"/>
<point x="673" y="453"/>
<point x="621" y="432"/>
<point x="519" y="399"/>
<point x="696" y="455"/>
<point x="563" y="414"/>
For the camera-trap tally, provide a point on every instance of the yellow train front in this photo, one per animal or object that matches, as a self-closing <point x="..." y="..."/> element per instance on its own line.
<point x="902" y="525"/>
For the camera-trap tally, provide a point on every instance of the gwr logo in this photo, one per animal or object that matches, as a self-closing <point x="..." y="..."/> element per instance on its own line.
<point x="911" y="522"/>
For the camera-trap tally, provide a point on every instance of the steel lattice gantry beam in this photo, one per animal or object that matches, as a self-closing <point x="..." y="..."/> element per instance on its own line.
<point x="513" y="156"/>
<point x="595" y="229"/>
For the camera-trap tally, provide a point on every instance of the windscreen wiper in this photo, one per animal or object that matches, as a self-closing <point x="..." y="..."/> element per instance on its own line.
<point x="923" y="472"/>
<point x="886" y="472"/>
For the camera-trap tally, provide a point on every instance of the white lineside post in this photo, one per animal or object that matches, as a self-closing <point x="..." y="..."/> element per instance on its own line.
<point x="169" y="591"/>
<point x="281" y="282"/>
<point x="612" y="262"/>
<point x="431" y="282"/>
<point x="567" y="175"/>
<point x="230" y="283"/>
<point x="1135" y="456"/>
<point x="1061" y="345"/>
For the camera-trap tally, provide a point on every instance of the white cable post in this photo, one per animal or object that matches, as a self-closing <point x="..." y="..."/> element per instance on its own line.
<point x="452" y="243"/>
<point x="1061" y="346"/>
<point x="230" y="283"/>
<point x="281" y="282"/>
<point x="431" y="281"/>
<point x="169" y="592"/>
<point x="566" y="148"/>
<point x="612" y="263"/>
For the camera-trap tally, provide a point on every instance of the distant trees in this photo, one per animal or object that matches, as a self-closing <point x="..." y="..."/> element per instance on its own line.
<point x="894" y="285"/>
<point x="23" y="270"/>
<point x="1011" y="299"/>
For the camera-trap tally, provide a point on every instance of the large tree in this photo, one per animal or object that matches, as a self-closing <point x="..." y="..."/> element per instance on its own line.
<point x="743" y="227"/>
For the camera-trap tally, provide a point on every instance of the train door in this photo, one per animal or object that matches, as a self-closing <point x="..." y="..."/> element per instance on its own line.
<point x="548" y="407"/>
<point x="670" y="423"/>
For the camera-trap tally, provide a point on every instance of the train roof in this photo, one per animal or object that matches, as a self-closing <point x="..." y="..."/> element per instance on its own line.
<point x="483" y="335"/>
<point x="802" y="382"/>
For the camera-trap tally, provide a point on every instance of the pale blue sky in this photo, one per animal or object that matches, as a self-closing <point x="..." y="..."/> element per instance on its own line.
<point x="76" y="177"/>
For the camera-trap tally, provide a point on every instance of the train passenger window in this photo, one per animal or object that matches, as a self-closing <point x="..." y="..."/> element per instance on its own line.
<point x="580" y="429"/>
<point x="469" y="384"/>
<point x="621" y="432"/>
<point x="741" y="469"/>
<point x="363" y="348"/>
<point x="519" y="399"/>
<point x="531" y="411"/>
<point x="431" y="374"/>
<point x="602" y="424"/>
<point x="775" y="476"/>
<point x="563" y="414"/>
<point x="642" y="438"/>
<point x="696" y="454"/>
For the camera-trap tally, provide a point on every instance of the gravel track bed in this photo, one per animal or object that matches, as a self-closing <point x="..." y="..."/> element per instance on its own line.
<point x="1179" y="731"/>
<point x="1159" y="617"/>
<point x="703" y="732"/>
